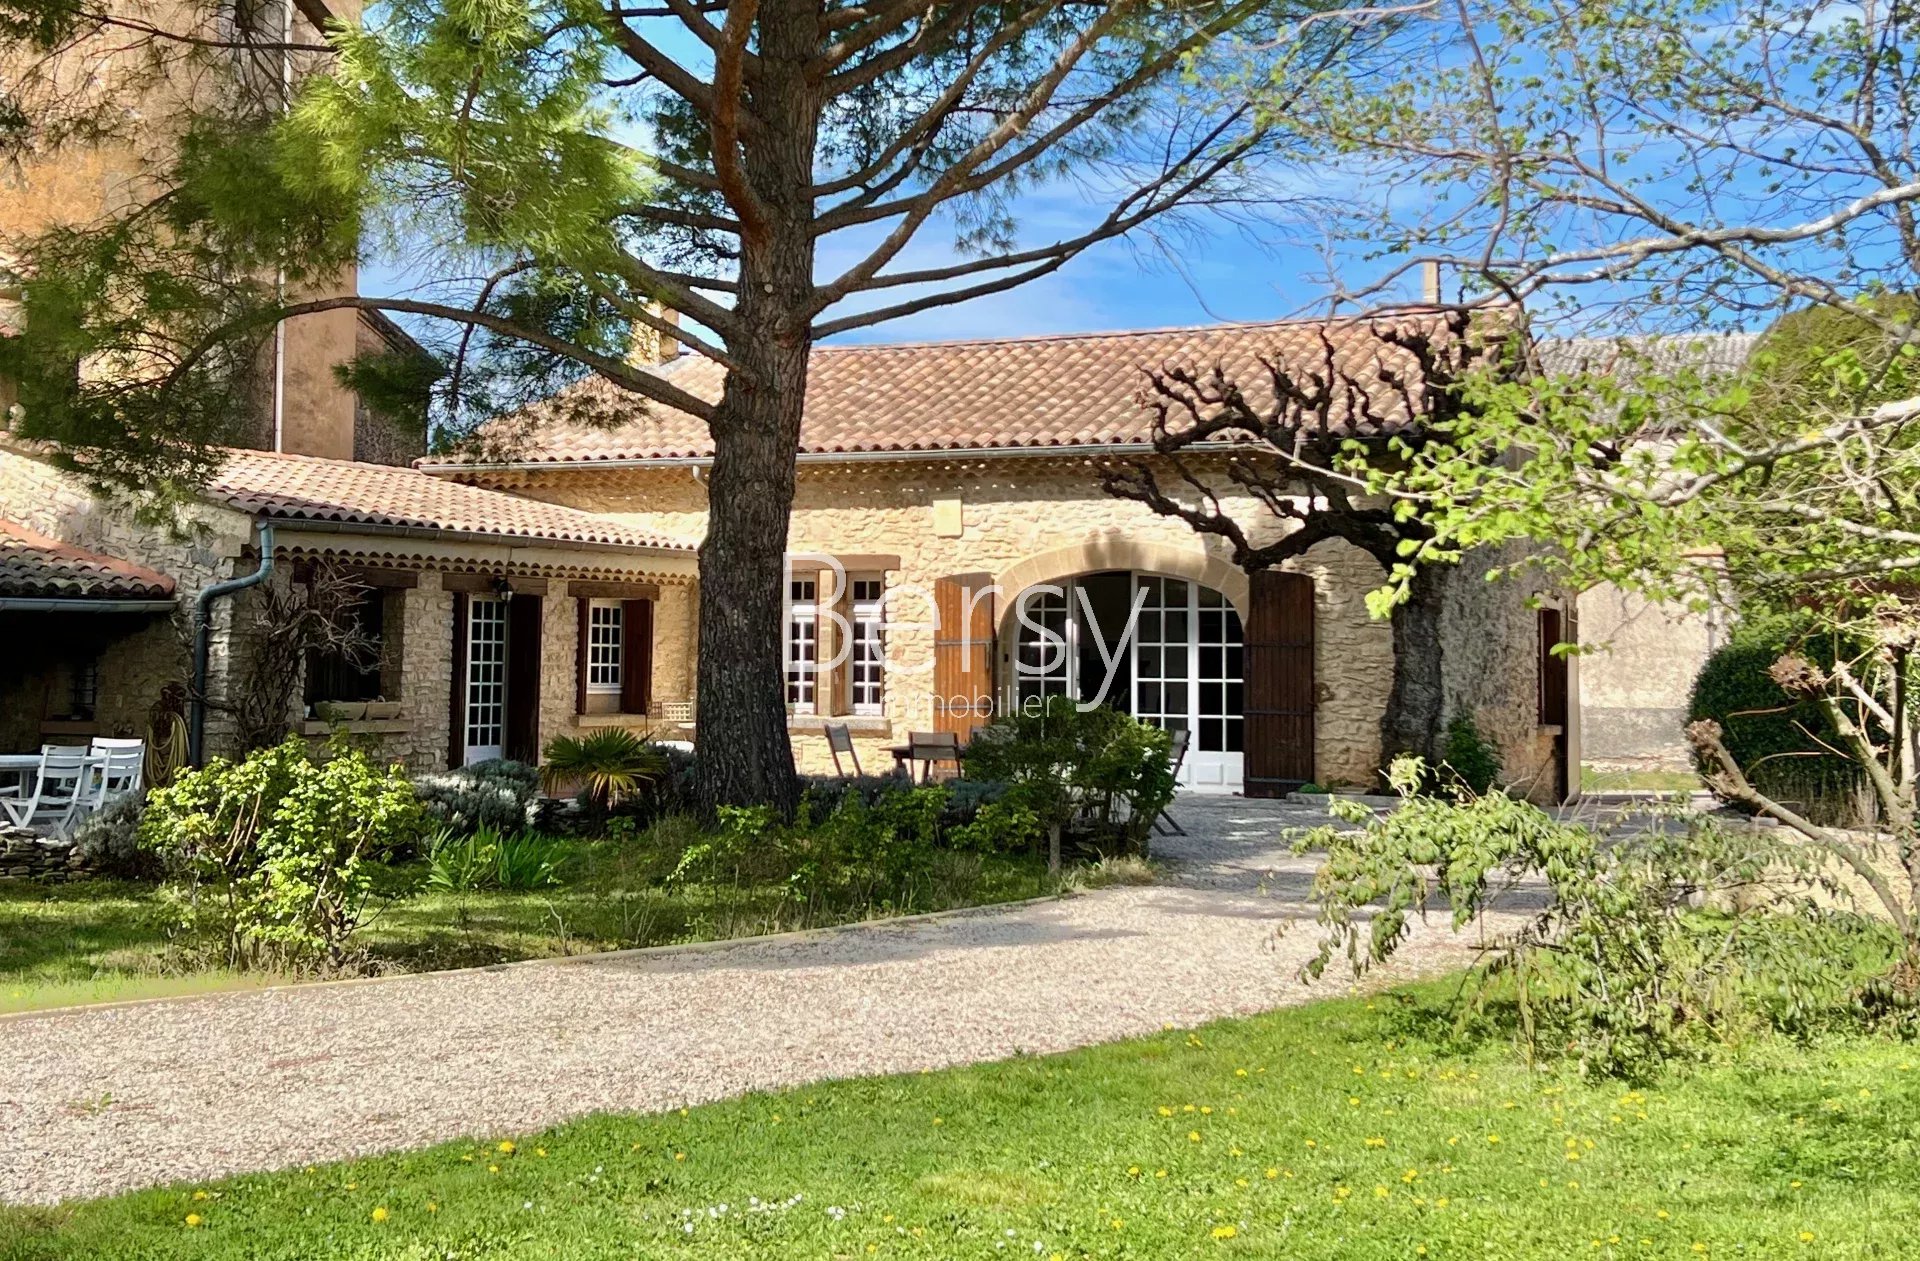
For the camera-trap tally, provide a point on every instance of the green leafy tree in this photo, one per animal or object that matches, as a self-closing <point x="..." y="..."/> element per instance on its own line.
<point x="763" y="168"/>
<point x="1677" y="165"/>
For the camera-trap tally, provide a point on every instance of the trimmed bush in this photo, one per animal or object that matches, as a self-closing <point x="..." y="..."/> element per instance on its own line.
<point x="1469" y="762"/>
<point x="1777" y="739"/>
<point x="498" y="793"/>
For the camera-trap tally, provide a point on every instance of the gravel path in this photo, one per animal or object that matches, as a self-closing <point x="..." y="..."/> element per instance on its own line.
<point x="102" y="1100"/>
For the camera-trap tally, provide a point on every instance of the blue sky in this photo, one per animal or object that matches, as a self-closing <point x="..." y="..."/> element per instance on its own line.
<point x="1213" y="271"/>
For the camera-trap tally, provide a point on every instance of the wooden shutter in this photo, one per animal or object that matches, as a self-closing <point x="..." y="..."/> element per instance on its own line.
<point x="1553" y="670"/>
<point x="457" y="702"/>
<point x="584" y="613"/>
<point x="963" y="654"/>
<point x="524" y="624"/>
<point x="1280" y="699"/>
<point x="636" y="656"/>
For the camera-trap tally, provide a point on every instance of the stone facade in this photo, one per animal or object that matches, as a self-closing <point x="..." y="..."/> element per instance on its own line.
<point x="1029" y="520"/>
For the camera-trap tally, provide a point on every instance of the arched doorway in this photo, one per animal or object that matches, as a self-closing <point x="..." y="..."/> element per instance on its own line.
<point x="1167" y="650"/>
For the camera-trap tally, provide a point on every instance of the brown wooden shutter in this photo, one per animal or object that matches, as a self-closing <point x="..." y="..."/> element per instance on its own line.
<point x="1553" y="671"/>
<point x="1280" y="699"/>
<point x="838" y="699"/>
<point x="584" y="612"/>
<point x="457" y="702"/>
<point x="524" y="626"/>
<point x="963" y="654"/>
<point x="636" y="656"/>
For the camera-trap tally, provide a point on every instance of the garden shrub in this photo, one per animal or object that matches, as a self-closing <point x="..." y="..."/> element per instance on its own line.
<point x="498" y="793"/>
<point x="272" y="853"/>
<point x="1778" y="739"/>
<point x="488" y="859"/>
<point x="109" y="840"/>
<point x="1469" y="763"/>
<point x="609" y="764"/>
<point x="1651" y="944"/>
<point x="1098" y="773"/>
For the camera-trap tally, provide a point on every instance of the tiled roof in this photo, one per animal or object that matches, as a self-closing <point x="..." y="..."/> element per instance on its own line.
<point x="1711" y="353"/>
<point x="33" y="566"/>
<point x="306" y="488"/>
<point x="1031" y="392"/>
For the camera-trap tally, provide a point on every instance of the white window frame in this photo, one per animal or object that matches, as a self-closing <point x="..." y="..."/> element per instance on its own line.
<point x="606" y="656"/>
<point x="867" y="654"/>
<point x="800" y="645"/>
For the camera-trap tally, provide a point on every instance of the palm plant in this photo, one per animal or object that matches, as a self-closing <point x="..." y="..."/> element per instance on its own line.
<point x="610" y="764"/>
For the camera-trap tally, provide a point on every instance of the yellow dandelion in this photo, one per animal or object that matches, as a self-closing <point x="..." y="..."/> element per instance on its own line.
<point x="1442" y="1202"/>
<point x="1225" y="1232"/>
<point x="1376" y="1142"/>
<point x="938" y="1121"/>
<point x="1193" y="1136"/>
<point x="541" y="1151"/>
<point x="1662" y="1214"/>
<point x="1806" y="1236"/>
<point x="1381" y="1192"/>
<point x="194" y="1219"/>
<point x="433" y="1206"/>
<point x="1117" y="1224"/>
<point x="1166" y="1112"/>
<point x="201" y="1195"/>
<point x="1133" y="1171"/>
<point x="1272" y="1174"/>
<point x="1239" y="1182"/>
<point x="679" y="1155"/>
<point x="506" y="1147"/>
<point x="1239" y="1072"/>
<point x="1159" y="1173"/>
<point x="493" y="1169"/>
<point x="380" y="1213"/>
<point x="1493" y="1138"/>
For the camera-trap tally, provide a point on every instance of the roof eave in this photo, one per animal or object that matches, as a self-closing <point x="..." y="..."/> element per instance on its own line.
<point x="1072" y="450"/>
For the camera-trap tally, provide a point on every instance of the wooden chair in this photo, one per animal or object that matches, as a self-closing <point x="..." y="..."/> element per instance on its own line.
<point x="839" y="741"/>
<point x="928" y="747"/>
<point x="123" y="766"/>
<point x="63" y="786"/>
<point x="1165" y="824"/>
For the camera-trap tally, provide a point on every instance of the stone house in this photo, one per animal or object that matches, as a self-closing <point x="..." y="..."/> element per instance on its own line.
<point x="951" y="554"/>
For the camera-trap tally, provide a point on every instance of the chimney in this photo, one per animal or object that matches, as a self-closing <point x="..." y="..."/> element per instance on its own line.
<point x="650" y="346"/>
<point x="1430" y="283"/>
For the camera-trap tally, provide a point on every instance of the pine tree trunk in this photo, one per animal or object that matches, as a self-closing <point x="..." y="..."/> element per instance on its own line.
<point x="745" y="756"/>
<point x="1411" y="724"/>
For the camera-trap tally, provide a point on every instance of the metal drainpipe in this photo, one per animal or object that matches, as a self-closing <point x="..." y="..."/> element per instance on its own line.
<point x="203" y="643"/>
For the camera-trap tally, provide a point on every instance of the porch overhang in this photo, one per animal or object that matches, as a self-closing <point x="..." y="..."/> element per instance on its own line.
<point x="425" y="548"/>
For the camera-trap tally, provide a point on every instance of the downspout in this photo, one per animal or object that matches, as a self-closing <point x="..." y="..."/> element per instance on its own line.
<point x="203" y="642"/>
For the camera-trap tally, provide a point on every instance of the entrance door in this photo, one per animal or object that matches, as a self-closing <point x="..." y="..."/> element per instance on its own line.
<point x="486" y="681"/>
<point x="1181" y="669"/>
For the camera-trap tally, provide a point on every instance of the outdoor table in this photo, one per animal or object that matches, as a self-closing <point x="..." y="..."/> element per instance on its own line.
<point x="20" y="766"/>
<point x="903" y="753"/>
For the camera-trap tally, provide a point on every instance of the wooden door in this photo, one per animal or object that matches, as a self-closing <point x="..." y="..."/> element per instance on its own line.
<point x="1279" y="684"/>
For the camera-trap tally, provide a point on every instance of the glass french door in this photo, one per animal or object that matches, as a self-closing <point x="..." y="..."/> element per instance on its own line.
<point x="1186" y="658"/>
<point x="486" y="681"/>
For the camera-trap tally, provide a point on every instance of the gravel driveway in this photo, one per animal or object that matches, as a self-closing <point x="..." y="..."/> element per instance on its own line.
<point x="102" y="1100"/>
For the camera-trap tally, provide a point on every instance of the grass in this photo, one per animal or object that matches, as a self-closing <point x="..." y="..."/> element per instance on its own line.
<point x="101" y="941"/>
<point x="1592" y="780"/>
<point x="1354" y="1129"/>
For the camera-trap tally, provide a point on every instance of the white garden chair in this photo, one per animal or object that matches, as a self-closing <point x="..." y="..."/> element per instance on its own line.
<point x="64" y="786"/>
<point x="122" y="767"/>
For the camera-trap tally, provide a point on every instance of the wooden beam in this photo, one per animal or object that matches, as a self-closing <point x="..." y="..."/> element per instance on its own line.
<point x="584" y="590"/>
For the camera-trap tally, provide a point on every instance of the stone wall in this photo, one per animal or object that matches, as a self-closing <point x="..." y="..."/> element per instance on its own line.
<point x="1637" y="678"/>
<point x="1491" y="665"/>
<point x="138" y="654"/>
<point x="1021" y="521"/>
<point x="24" y="856"/>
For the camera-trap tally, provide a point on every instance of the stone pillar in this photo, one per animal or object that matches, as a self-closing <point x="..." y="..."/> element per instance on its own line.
<point x="426" y="673"/>
<point x="559" y="653"/>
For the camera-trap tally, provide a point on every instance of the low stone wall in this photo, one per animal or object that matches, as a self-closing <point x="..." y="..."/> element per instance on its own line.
<point x="25" y="855"/>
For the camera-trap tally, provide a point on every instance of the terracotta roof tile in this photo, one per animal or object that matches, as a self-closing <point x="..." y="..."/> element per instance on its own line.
<point x="33" y="566"/>
<point x="1033" y="392"/>
<point x="305" y="488"/>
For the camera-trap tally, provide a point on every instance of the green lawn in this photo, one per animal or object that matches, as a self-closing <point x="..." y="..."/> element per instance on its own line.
<point x="99" y="941"/>
<point x="1350" y="1128"/>
<point x="1592" y="780"/>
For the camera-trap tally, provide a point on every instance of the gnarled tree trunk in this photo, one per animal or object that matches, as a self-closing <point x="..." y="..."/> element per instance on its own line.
<point x="1417" y="703"/>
